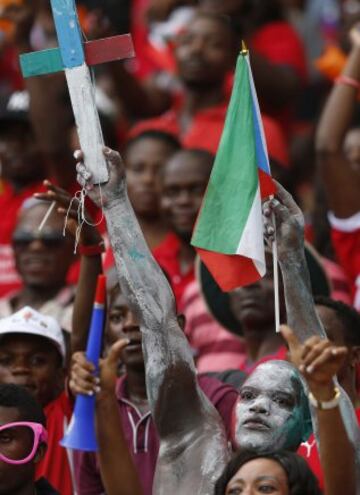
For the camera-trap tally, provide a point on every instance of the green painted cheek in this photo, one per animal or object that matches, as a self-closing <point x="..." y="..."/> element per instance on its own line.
<point x="292" y="430"/>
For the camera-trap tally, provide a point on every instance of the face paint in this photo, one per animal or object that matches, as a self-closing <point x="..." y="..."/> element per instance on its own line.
<point x="270" y="410"/>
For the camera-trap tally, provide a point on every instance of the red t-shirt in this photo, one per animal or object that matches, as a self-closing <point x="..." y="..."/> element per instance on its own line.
<point x="314" y="459"/>
<point x="56" y="465"/>
<point x="345" y="235"/>
<point x="167" y="255"/>
<point x="206" y="129"/>
<point x="279" y="43"/>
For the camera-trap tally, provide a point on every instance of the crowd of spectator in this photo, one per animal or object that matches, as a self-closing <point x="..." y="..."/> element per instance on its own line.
<point x="195" y="391"/>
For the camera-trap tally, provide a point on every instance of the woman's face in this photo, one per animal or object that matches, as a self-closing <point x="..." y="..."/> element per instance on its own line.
<point x="259" y="476"/>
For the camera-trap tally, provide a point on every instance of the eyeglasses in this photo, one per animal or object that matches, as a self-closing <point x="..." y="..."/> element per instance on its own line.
<point x="23" y="238"/>
<point x="19" y="441"/>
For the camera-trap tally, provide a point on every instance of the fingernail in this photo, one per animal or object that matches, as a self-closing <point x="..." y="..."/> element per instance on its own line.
<point x="90" y="393"/>
<point x="97" y="389"/>
<point x="77" y="154"/>
<point x="309" y="369"/>
<point x="107" y="151"/>
<point x="334" y="352"/>
<point x="97" y="380"/>
<point x="302" y="368"/>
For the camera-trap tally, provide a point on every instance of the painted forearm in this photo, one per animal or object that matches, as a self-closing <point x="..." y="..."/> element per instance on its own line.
<point x="142" y="281"/>
<point x="300" y="309"/>
<point x="170" y="373"/>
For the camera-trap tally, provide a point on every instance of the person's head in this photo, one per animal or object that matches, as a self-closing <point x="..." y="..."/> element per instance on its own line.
<point x="145" y="155"/>
<point x="183" y="183"/>
<point x="352" y="147"/>
<point x="253" y="305"/>
<point x="21" y="160"/>
<point x="205" y="51"/>
<point x="273" y="410"/>
<point x="122" y="323"/>
<point x="22" y="438"/>
<point x="42" y="258"/>
<point x="278" y="473"/>
<point x="32" y="353"/>
<point x="341" y="323"/>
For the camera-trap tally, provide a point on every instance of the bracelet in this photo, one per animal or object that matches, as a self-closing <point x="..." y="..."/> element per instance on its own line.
<point x="93" y="250"/>
<point x="324" y="406"/>
<point x="348" y="81"/>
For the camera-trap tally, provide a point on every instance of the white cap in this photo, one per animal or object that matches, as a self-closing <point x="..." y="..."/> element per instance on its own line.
<point x="31" y="322"/>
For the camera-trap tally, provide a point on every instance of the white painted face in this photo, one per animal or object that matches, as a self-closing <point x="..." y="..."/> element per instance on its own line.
<point x="268" y="413"/>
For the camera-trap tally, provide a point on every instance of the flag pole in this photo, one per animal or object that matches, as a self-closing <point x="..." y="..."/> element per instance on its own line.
<point x="244" y="52"/>
<point x="276" y="280"/>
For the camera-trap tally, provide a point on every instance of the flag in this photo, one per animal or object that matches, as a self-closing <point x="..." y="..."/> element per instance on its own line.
<point x="228" y="234"/>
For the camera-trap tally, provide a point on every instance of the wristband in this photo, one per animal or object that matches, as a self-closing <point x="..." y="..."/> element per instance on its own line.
<point x="348" y="81"/>
<point x="324" y="406"/>
<point x="93" y="250"/>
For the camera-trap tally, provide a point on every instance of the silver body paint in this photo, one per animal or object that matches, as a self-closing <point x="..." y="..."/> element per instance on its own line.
<point x="193" y="445"/>
<point x="303" y="319"/>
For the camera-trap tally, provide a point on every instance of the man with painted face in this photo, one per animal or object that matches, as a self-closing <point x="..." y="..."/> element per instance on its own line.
<point x="193" y="447"/>
<point x="129" y="397"/>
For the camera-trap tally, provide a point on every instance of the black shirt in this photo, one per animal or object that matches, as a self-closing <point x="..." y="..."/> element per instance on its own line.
<point x="43" y="487"/>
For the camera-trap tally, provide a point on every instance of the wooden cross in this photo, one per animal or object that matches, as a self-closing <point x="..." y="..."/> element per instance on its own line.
<point x="74" y="57"/>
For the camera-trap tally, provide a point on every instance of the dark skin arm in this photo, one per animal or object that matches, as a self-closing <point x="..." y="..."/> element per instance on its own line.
<point x="118" y="473"/>
<point x="50" y="110"/>
<point x="90" y="266"/>
<point x="337" y="173"/>
<point x="319" y="361"/>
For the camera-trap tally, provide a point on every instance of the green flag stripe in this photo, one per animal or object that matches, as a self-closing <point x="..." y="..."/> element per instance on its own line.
<point x="234" y="179"/>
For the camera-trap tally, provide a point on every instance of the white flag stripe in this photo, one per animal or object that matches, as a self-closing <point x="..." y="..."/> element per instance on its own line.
<point x="251" y="243"/>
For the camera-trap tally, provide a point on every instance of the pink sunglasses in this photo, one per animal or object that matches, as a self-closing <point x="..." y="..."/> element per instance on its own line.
<point x="40" y="436"/>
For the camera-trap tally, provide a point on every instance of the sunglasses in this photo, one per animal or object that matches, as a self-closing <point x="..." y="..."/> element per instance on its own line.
<point x="48" y="239"/>
<point x="14" y="438"/>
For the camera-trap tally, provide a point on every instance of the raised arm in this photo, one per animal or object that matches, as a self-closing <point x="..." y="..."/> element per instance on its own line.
<point x="118" y="473"/>
<point x="176" y="402"/>
<point x="300" y="309"/>
<point x="319" y="361"/>
<point x="90" y="265"/>
<point x="341" y="180"/>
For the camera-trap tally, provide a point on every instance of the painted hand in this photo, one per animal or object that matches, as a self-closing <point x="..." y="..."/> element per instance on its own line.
<point x="318" y="360"/>
<point x="106" y="194"/>
<point x="289" y="222"/>
<point x="89" y="234"/>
